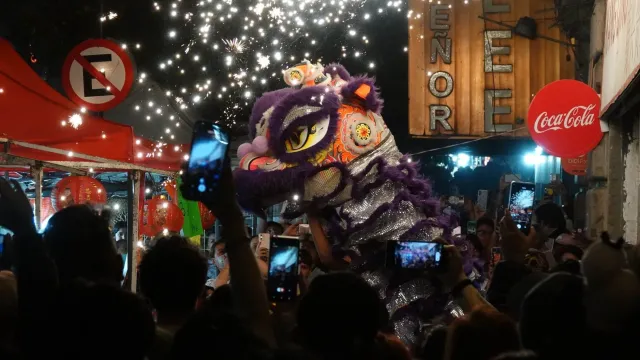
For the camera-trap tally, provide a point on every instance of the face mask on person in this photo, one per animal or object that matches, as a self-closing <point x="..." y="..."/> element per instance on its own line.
<point x="221" y="261"/>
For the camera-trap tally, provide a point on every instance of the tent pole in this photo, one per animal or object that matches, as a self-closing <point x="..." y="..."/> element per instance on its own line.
<point x="36" y="172"/>
<point x="134" y="192"/>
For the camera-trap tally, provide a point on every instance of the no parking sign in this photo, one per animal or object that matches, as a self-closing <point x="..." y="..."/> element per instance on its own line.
<point x="97" y="74"/>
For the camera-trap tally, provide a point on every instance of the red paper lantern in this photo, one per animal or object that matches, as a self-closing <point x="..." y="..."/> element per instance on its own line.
<point x="161" y="214"/>
<point x="206" y="217"/>
<point x="172" y="190"/>
<point x="74" y="190"/>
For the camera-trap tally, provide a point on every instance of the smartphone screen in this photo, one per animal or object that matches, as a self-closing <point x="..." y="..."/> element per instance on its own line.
<point x="471" y="227"/>
<point x="417" y="255"/>
<point x="282" y="283"/>
<point x="496" y="255"/>
<point x="521" y="197"/>
<point x="483" y="199"/>
<point x="206" y="160"/>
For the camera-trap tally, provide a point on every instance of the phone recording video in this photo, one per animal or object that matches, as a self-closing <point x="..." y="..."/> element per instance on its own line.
<point x="521" y="197"/>
<point x="417" y="255"/>
<point x="206" y="160"/>
<point x="282" y="283"/>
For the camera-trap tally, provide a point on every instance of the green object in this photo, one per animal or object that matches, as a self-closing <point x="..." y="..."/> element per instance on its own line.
<point x="192" y="223"/>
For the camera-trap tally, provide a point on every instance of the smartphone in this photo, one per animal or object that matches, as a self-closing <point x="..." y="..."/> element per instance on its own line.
<point x="282" y="282"/>
<point x="416" y="255"/>
<point x="471" y="227"/>
<point x="483" y="199"/>
<point x="263" y="243"/>
<point x="496" y="256"/>
<point x="209" y="149"/>
<point x="521" y="197"/>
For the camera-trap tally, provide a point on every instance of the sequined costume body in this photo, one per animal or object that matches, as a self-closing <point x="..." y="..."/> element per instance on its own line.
<point x="325" y="141"/>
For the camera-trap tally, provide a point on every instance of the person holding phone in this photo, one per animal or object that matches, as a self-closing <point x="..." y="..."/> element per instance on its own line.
<point x="215" y="189"/>
<point x="221" y="263"/>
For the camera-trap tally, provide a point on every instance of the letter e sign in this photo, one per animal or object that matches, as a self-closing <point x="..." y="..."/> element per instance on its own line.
<point x="97" y="74"/>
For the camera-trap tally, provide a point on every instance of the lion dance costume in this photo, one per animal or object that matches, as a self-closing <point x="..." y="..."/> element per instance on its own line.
<point x="323" y="139"/>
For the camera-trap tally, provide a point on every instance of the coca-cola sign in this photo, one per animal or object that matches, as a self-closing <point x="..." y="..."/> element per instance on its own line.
<point x="564" y="119"/>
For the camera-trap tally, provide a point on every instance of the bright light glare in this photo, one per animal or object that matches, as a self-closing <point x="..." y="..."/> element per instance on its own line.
<point x="533" y="159"/>
<point x="463" y="160"/>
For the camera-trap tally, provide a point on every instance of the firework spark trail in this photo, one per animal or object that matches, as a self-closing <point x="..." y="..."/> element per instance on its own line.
<point x="230" y="51"/>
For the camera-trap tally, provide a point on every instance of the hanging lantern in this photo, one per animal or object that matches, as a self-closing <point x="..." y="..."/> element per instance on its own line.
<point x="161" y="215"/>
<point x="74" y="190"/>
<point x="206" y="217"/>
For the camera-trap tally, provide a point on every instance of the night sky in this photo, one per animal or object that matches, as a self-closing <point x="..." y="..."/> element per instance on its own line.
<point x="45" y="31"/>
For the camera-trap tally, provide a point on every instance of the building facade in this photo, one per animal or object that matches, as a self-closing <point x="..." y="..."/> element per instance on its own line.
<point x="614" y="167"/>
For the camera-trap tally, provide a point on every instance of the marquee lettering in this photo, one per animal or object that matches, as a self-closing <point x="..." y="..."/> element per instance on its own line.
<point x="490" y="108"/>
<point x="441" y="45"/>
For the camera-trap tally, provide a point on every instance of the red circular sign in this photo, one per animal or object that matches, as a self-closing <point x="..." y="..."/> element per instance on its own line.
<point x="97" y="74"/>
<point x="564" y="118"/>
<point x="575" y="166"/>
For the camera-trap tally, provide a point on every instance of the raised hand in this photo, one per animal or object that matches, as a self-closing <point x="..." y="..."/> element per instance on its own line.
<point x="513" y="242"/>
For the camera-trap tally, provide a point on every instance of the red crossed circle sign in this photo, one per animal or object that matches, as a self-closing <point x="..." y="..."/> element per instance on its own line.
<point x="97" y="74"/>
<point x="564" y="118"/>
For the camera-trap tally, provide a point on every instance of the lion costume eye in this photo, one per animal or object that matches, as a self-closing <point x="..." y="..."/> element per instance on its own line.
<point x="305" y="137"/>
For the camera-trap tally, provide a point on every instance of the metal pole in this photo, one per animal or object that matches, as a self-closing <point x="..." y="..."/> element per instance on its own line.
<point x="36" y="172"/>
<point x="217" y="228"/>
<point x="133" y="205"/>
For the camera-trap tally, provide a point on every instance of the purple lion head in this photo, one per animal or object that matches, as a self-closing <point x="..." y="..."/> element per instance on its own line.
<point x="297" y="133"/>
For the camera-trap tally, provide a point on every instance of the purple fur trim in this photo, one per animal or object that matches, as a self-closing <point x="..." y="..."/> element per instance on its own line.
<point x="373" y="101"/>
<point x="261" y="105"/>
<point x="311" y="96"/>
<point x="254" y="186"/>
<point x="334" y="69"/>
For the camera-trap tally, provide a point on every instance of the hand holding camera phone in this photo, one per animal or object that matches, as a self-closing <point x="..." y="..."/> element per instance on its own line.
<point x="207" y="158"/>
<point x="415" y="255"/>
<point x="520" y="204"/>
<point x="282" y="282"/>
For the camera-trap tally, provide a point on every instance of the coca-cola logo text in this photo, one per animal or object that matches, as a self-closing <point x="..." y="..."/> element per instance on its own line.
<point x="576" y="117"/>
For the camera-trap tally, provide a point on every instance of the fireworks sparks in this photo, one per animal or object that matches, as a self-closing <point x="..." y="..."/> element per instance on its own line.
<point x="263" y="61"/>
<point x="224" y="53"/>
<point x="235" y="45"/>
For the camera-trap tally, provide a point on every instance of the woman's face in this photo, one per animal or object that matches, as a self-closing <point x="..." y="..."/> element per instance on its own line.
<point x="220" y="257"/>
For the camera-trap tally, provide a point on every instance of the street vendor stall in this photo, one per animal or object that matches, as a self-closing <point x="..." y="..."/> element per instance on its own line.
<point x="42" y="130"/>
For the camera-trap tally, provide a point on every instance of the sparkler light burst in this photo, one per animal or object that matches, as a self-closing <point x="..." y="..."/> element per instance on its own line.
<point x="224" y="53"/>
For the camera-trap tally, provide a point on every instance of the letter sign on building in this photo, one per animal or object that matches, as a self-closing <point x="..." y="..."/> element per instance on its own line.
<point x="471" y="77"/>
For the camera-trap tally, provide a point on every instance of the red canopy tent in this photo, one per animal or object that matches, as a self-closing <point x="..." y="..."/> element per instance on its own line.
<point x="33" y="112"/>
